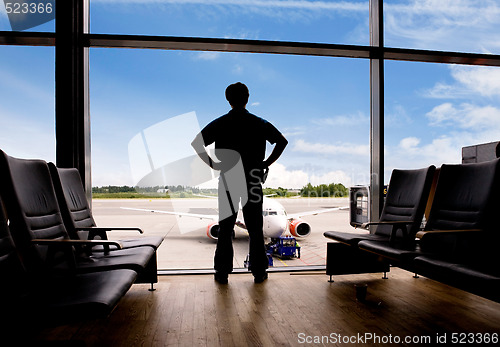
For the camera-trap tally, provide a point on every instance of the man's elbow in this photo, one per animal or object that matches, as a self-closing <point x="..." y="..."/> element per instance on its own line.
<point x="283" y="142"/>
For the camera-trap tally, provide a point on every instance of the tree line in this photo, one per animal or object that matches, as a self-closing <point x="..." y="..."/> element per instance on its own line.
<point x="322" y="190"/>
<point x="333" y="190"/>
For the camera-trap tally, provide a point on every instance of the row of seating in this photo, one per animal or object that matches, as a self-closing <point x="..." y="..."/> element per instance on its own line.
<point x="48" y="269"/>
<point x="458" y="244"/>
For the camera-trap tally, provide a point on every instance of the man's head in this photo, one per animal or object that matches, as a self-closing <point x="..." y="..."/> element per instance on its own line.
<point x="237" y="94"/>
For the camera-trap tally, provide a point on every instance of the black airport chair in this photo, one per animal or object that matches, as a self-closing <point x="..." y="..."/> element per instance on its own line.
<point x="42" y="298"/>
<point x="39" y="232"/>
<point x="402" y="212"/>
<point x="77" y="214"/>
<point x="463" y="216"/>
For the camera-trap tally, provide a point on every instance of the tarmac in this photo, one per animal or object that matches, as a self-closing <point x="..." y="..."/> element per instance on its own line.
<point x="187" y="248"/>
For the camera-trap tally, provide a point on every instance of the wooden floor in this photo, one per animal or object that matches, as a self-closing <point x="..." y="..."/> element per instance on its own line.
<point x="289" y="309"/>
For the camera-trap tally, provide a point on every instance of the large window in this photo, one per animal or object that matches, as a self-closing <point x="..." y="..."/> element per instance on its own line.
<point x="327" y="21"/>
<point x="354" y="96"/>
<point x="27" y="101"/>
<point x="434" y="110"/>
<point x="138" y="101"/>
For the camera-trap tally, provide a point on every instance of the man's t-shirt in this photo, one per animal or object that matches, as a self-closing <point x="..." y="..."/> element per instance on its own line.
<point x="244" y="133"/>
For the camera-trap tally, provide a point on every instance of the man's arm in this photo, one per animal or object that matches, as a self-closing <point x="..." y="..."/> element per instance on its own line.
<point x="199" y="146"/>
<point x="279" y="147"/>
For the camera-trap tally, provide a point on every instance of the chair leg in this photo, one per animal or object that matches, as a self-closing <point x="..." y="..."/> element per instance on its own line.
<point x="416" y="275"/>
<point x="331" y="279"/>
<point x="152" y="289"/>
<point x="385" y="276"/>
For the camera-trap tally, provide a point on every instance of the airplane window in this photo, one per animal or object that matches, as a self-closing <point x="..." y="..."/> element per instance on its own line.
<point x="273" y="213"/>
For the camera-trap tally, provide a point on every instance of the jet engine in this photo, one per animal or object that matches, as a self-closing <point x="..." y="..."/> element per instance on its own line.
<point x="213" y="231"/>
<point x="299" y="228"/>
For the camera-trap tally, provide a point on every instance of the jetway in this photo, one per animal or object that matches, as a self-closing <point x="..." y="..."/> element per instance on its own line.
<point x="479" y="153"/>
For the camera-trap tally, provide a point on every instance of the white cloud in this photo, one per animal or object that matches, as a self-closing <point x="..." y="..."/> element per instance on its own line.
<point x="207" y="55"/>
<point x="291" y="133"/>
<point x="463" y="25"/>
<point x="473" y="121"/>
<point x="343" y="120"/>
<point x="470" y="81"/>
<point x="321" y="148"/>
<point x="467" y="117"/>
<point x="463" y="125"/>
<point x="280" y="176"/>
<point x="409" y="143"/>
<point x="445" y="91"/>
<point x="410" y="153"/>
<point x="483" y="80"/>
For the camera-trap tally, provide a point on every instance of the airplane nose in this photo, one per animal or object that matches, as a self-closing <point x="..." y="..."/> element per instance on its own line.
<point x="284" y="226"/>
<point x="276" y="227"/>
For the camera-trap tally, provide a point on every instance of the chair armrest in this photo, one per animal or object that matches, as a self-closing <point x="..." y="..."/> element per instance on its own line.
<point x="396" y="222"/>
<point x="456" y="243"/>
<point x="87" y="244"/>
<point x="101" y="231"/>
<point x="436" y="233"/>
<point x="396" y="225"/>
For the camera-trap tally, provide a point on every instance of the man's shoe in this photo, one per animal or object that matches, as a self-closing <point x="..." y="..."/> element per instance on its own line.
<point x="260" y="277"/>
<point x="220" y="277"/>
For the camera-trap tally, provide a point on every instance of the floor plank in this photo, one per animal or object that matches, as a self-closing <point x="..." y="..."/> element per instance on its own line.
<point x="289" y="309"/>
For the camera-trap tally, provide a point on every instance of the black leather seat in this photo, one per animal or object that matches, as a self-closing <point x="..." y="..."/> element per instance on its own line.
<point x="466" y="257"/>
<point x="42" y="298"/>
<point x="36" y="223"/>
<point x="403" y="209"/>
<point x="480" y="276"/>
<point x="77" y="214"/>
<point x="463" y="213"/>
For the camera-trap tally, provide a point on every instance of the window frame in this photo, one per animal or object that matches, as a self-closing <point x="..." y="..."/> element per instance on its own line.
<point x="72" y="41"/>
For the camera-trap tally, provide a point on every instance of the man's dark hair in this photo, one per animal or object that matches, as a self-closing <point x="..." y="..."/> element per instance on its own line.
<point x="237" y="94"/>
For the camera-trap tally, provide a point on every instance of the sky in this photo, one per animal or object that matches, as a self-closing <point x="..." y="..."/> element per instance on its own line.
<point x="321" y="104"/>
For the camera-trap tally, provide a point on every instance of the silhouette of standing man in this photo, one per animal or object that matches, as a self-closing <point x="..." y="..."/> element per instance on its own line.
<point x="240" y="137"/>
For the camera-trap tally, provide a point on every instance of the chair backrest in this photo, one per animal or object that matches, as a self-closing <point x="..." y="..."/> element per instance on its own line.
<point x="32" y="208"/>
<point x="12" y="272"/>
<point x="72" y="199"/>
<point x="466" y="197"/>
<point x="406" y="199"/>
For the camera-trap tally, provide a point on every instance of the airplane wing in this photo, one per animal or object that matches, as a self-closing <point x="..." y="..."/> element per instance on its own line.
<point x="206" y="196"/>
<point x="212" y="217"/>
<point x="315" y="212"/>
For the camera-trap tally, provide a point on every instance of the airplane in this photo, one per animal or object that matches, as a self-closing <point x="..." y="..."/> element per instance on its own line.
<point x="276" y="221"/>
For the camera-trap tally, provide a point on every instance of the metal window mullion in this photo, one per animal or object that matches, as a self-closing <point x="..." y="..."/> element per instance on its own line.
<point x="72" y="93"/>
<point x="376" y="110"/>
